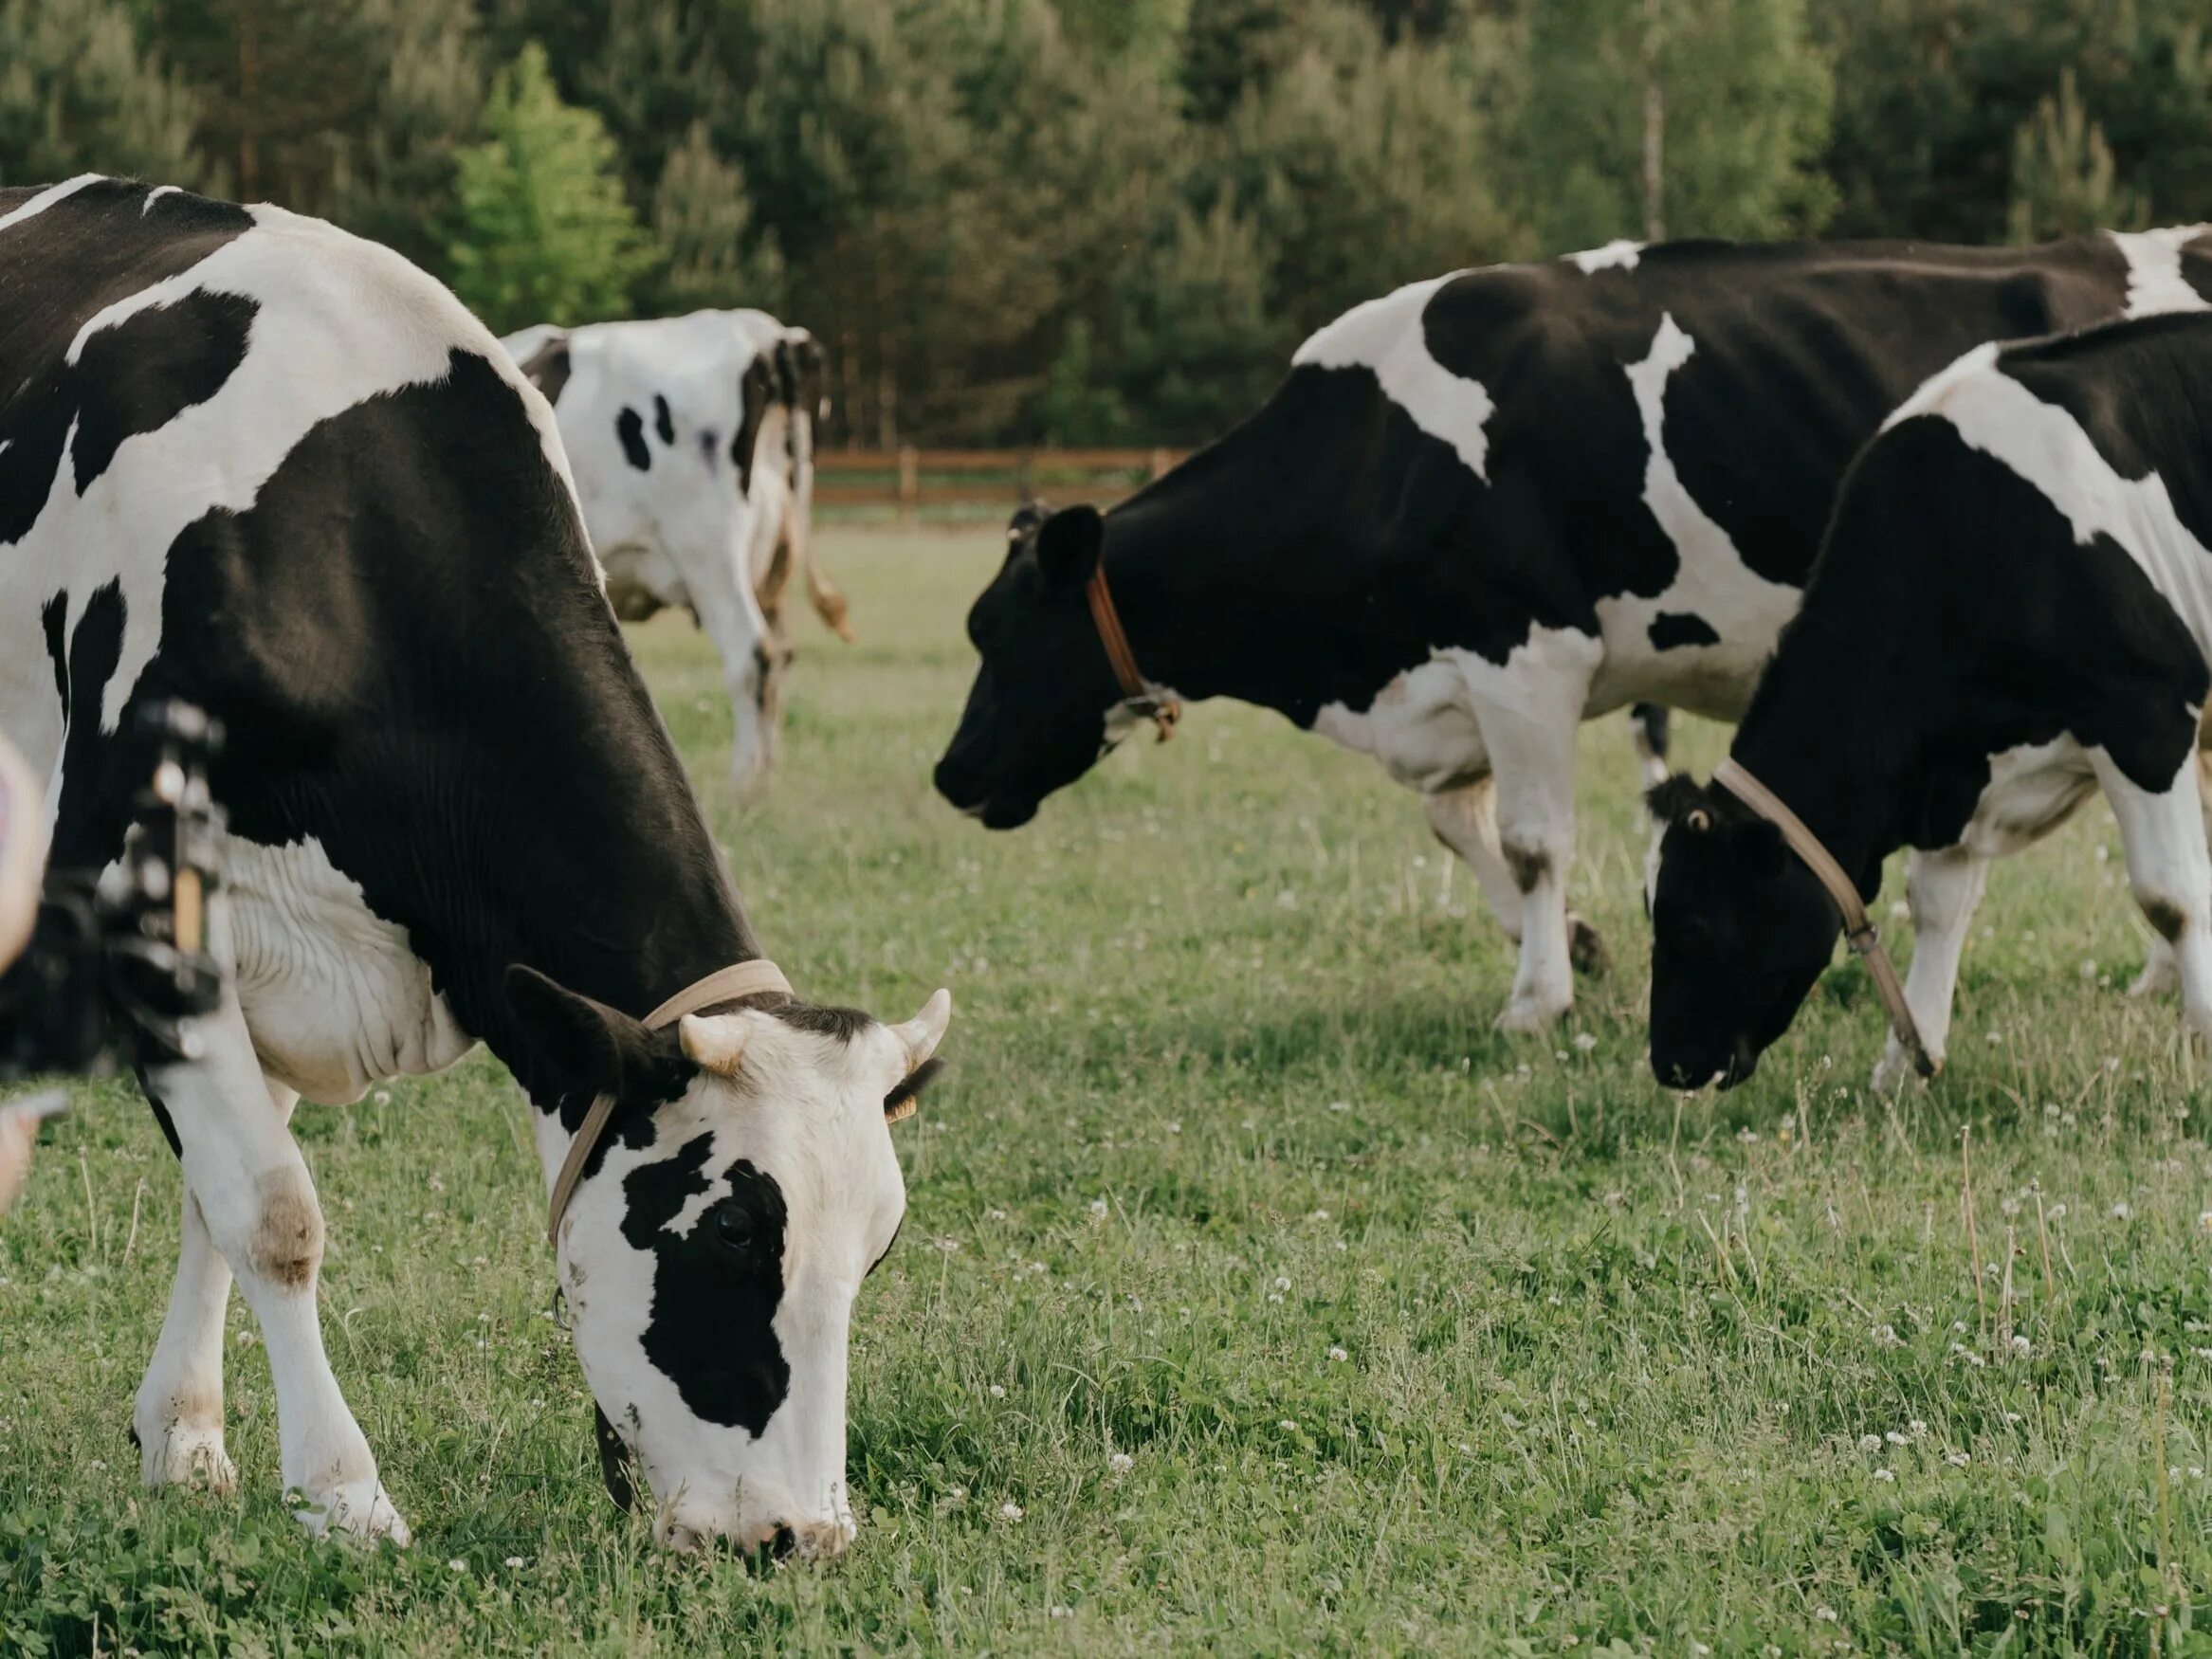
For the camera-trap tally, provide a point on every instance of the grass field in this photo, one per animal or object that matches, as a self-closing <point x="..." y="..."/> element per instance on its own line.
<point x="1255" y="1297"/>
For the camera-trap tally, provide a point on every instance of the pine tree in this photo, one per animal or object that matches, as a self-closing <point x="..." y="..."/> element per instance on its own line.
<point x="709" y="252"/>
<point x="77" y="94"/>
<point x="543" y="232"/>
<point x="2062" y="173"/>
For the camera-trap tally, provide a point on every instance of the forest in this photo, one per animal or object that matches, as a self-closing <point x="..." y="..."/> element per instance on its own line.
<point x="1102" y="221"/>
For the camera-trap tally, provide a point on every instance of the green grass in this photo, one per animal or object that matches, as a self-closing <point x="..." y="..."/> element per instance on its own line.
<point x="1224" y="1098"/>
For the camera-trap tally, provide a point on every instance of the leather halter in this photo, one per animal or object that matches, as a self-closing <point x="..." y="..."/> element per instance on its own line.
<point x="1858" y="930"/>
<point x="1138" y="692"/>
<point x="722" y="984"/>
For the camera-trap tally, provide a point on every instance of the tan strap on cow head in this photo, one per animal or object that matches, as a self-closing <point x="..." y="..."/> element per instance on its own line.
<point x="1859" y="929"/>
<point x="1139" y="692"/>
<point x="722" y="984"/>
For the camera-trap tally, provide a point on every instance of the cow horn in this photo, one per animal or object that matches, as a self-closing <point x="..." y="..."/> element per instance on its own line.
<point x="715" y="1045"/>
<point x="920" y="1035"/>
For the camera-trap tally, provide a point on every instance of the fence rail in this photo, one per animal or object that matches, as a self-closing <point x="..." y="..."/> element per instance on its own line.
<point x="908" y="480"/>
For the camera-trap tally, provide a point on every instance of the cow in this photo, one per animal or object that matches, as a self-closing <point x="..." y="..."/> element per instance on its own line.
<point x="253" y="462"/>
<point x="2012" y="609"/>
<point x="692" y="441"/>
<point x="1488" y="506"/>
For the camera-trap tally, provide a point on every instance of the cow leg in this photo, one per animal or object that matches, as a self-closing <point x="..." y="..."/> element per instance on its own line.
<point x="252" y="1191"/>
<point x="1944" y="887"/>
<point x="2170" y="872"/>
<point x="178" y="1422"/>
<point x="2161" y="974"/>
<point x="1528" y="712"/>
<point x="1648" y="722"/>
<point x="1466" y="821"/>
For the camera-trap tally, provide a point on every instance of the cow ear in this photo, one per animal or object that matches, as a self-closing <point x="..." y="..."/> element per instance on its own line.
<point x="1680" y="800"/>
<point x="548" y="367"/>
<point x="1067" y="545"/>
<point x="591" y="1047"/>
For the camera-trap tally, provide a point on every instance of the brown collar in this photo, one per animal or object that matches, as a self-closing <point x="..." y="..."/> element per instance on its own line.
<point x="722" y="984"/>
<point x="1138" y="692"/>
<point x="1858" y="931"/>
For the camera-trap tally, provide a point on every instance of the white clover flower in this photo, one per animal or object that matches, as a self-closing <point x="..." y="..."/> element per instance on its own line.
<point x="1010" y="1510"/>
<point x="2021" y="1345"/>
<point x="1098" y="1206"/>
<point x="1281" y="1284"/>
<point x="1884" y="1474"/>
<point x="1870" y="1443"/>
<point x="1916" y="1428"/>
<point x="1585" y="1041"/>
<point x="2121" y="1210"/>
<point x="1120" y="1462"/>
<point x="516" y="1561"/>
<point x="1289" y="1425"/>
<point x="457" y="1565"/>
<point x="998" y="1392"/>
<point x="1338" y="1354"/>
<point x="1886" y="1337"/>
<point x="1827" y="1614"/>
<point x="1956" y="1459"/>
<point x="1340" y="1106"/>
<point x="1894" y="1438"/>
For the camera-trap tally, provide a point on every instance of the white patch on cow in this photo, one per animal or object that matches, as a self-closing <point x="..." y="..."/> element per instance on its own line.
<point x="2155" y="282"/>
<point x="335" y="995"/>
<point x="2045" y="445"/>
<point x="47" y="199"/>
<point x="154" y="195"/>
<point x="1621" y="255"/>
<point x="807" y="1111"/>
<point x="340" y="320"/>
<point x="682" y="532"/>
<point x="1712" y="583"/>
<point x="1386" y="336"/>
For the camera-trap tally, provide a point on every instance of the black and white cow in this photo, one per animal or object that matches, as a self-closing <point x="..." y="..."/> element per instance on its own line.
<point x="692" y="441"/>
<point x="251" y="461"/>
<point x="1487" y="507"/>
<point x="2013" y="608"/>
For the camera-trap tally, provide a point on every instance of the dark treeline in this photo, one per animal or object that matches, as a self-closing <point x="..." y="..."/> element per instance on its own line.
<point x="1093" y="221"/>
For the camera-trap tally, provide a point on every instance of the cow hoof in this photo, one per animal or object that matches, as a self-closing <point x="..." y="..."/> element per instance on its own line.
<point x="1527" y="1015"/>
<point x="1892" y="1071"/>
<point x="189" y="1457"/>
<point x="361" y="1511"/>
<point x="2159" y="977"/>
<point x="1586" y="949"/>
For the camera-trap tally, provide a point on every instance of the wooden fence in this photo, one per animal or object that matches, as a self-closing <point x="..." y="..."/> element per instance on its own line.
<point x="973" y="482"/>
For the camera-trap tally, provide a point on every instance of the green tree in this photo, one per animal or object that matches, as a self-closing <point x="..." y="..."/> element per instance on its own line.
<point x="543" y="232"/>
<point x="1200" y="349"/>
<point x="392" y="179"/>
<point x="1726" y="102"/>
<point x="79" y="94"/>
<point x="2062" y="173"/>
<point x="708" y="251"/>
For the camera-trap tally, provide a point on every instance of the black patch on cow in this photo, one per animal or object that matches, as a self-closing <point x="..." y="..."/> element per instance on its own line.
<point x="630" y="428"/>
<point x="144" y="372"/>
<point x="549" y="368"/>
<point x="1651" y="721"/>
<point x="664" y="423"/>
<point x="712" y="1329"/>
<point x="58" y="269"/>
<point x="53" y="618"/>
<point x="1529" y="864"/>
<point x="613" y="1461"/>
<point x="1673" y="629"/>
<point x="758" y="392"/>
<point x="2165" y="916"/>
<point x="96" y="646"/>
<point x="824" y="1020"/>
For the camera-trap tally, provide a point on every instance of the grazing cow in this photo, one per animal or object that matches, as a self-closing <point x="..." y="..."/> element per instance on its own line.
<point x="2013" y="608"/>
<point x="251" y="461"/>
<point x="693" y="440"/>
<point x="1486" y="507"/>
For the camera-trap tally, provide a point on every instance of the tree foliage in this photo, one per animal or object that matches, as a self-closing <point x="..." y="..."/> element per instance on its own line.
<point x="1099" y="220"/>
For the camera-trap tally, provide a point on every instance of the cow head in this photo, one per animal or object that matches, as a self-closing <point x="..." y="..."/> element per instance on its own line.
<point x="1045" y="703"/>
<point x="1741" y="929"/>
<point x="712" y="1251"/>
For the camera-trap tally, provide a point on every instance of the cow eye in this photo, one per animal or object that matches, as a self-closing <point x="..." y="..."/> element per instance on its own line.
<point x="734" y="1226"/>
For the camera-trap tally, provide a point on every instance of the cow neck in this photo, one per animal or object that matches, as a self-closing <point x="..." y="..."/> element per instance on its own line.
<point x="1205" y="567"/>
<point x="1831" y="732"/>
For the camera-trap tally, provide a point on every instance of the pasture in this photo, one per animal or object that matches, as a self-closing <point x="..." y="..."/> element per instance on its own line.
<point x="1254" y="1296"/>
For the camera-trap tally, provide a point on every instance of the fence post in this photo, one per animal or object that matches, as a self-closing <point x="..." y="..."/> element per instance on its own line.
<point x="1160" y="462"/>
<point x="909" y="483"/>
